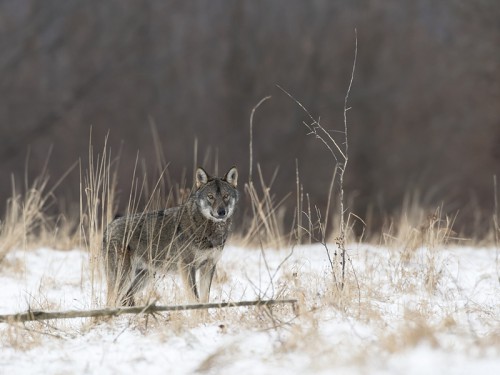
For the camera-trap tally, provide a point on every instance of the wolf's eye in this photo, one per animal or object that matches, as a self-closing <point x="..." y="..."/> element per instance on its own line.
<point x="225" y="197"/>
<point x="210" y="197"/>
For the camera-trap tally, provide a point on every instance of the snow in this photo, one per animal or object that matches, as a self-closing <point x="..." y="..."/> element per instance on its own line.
<point x="434" y="312"/>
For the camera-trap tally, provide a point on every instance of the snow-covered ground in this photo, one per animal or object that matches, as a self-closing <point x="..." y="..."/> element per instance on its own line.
<point x="431" y="311"/>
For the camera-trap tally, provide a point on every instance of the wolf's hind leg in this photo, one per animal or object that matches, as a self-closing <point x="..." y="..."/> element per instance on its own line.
<point x="141" y="277"/>
<point x="118" y="269"/>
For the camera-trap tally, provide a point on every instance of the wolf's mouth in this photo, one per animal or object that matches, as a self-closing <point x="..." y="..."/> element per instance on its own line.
<point x="219" y="217"/>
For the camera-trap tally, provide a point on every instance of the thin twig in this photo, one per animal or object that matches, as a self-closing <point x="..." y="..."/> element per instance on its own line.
<point x="496" y="226"/>
<point x="344" y="165"/>
<point x="315" y="125"/>
<point x="323" y="135"/>
<point x="251" y="136"/>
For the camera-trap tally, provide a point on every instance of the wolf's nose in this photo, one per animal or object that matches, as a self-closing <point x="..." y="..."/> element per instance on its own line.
<point x="221" y="212"/>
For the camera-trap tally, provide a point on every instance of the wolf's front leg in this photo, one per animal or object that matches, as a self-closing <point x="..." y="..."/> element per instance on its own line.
<point x="188" y="274"/>
<point x="207" y="271"/>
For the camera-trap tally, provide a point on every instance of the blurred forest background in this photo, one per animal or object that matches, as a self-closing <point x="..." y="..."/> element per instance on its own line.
<point x="425" y="115"/>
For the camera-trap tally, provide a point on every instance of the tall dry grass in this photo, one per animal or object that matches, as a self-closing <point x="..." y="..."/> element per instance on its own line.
<point x="24" y="217"/>
<point x="416" y="226"/>
<point x="27" y="222"/>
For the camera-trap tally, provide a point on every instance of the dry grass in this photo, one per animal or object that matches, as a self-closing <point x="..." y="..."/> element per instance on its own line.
<point x="265" y="225"/>
<point x="26" y="224"/>
<point x="24" y="218"/>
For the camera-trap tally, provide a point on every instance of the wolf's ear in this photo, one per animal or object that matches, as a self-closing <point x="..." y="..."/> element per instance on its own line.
<point x="201" y="177"/>
<point x="232" y="176"/>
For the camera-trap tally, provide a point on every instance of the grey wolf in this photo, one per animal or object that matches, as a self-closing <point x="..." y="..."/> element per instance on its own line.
<point x="188" y="239"/>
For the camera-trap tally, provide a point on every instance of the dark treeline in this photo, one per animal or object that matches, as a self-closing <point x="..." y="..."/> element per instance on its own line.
<point x="425" y="101"/>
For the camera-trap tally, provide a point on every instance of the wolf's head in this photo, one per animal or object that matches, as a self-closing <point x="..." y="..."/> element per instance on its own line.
<point x="216" y="197"/>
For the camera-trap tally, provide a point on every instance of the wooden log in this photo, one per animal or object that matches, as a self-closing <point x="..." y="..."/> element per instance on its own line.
<point x="34" y="315"/>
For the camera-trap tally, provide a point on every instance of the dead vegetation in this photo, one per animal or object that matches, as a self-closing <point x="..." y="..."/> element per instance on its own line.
<point x="358" y="285"/>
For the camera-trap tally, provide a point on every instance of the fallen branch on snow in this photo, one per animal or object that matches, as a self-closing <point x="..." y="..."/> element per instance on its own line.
<point x="33" y="315"/>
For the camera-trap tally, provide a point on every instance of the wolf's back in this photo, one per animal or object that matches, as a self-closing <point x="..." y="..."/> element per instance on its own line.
<point x="142" y="229"/>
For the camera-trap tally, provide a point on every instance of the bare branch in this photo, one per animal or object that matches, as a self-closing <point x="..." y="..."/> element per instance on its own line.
<point x="349" y="89"/>
<point x="35" y="315"/>
<point x="251" y="136"/>
<point x="316" y="125"/>
<point x="315" y="129"/>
